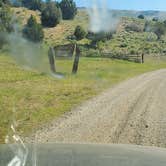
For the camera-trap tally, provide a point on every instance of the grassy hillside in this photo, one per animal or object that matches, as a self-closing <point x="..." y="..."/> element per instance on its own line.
<point x="56" y="35"/>
<point x="124" y="41"/>
<point x="132" y="13"/>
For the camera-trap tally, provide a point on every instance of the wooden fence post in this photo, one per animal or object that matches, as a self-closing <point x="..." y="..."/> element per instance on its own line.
<point x="76" y="60"/>
<point x="51" y="55"/>
<point x="142" y="58"/>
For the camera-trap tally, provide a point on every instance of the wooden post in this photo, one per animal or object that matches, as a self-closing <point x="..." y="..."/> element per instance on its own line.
<point x="51" y="55"/>
<point x="76" y="60"/>
<point x="142" y="58"/>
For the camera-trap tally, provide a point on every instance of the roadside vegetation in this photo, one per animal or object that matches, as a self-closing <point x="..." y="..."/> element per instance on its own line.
<point x="38" y="98"/>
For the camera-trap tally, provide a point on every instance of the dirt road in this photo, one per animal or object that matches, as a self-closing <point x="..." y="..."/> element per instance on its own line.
<point x="133" y="112"/>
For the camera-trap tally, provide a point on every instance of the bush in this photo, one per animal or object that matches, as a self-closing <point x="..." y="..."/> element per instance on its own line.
<point x="96" y="37"/>
<point x="141" y="16"/>
<point x="6" y="24"/>
<point x="133" y="27"/>
<point x="33" y="31"/>
<point x="146" y="26"/>
<point x="51" y="15"/>
<point x="6" y="19"/>
<point x="123" y="45"/>
<point x="159" y="29"/>
<point x="155" y="19"/>
<point x="79" y="33"/>
<point x="3" y="40"/>
<point x="69" y="9"/>
<point x="92" y="53"/>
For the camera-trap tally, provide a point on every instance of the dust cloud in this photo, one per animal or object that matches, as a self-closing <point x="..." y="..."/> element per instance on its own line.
<point x="101" y="17"/>
<point x="30" y="56"/>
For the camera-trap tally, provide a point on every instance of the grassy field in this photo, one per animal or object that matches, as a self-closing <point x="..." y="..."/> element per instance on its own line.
<point x="38" y="98"/>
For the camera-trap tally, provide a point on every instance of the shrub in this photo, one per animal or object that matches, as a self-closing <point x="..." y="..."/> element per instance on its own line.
<point x="33" y="31"/>
<point x="93" y="53"/>
<point x="123" y="45"/>
<point x="159" y="29"/>
<point x="146" y="26"/>
<point x="133" y="27"/>
<point x="51" y="15"/>
<point x="6" y="24"/>
<point x="141" y="16"/>
<point x="3" y="40"/>
<point x="69" y="9"/>
<point x="101" y="36"/>
<point x="79" y="33"/>
<point x="164" y="22"/>
<point x="155" y="19"/>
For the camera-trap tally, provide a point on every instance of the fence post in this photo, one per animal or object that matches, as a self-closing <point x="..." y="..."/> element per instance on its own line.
<point x="51" y="55"/>
<point x="76" y="60"/>
<point x="142" y="58"/>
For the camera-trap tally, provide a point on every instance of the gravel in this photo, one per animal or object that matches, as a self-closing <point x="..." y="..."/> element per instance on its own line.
<point x="133" y="112"/>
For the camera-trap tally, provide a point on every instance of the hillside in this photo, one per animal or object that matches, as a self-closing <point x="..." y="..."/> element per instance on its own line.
<point x="131" y="13"/>
<point x="123" y="42"/>
<point x="58" y="34"/>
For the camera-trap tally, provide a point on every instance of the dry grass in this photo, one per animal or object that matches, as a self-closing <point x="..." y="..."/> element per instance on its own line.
<point x="23" y="14"/>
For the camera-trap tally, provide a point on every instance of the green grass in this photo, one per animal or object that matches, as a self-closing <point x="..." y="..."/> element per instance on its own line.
<point x="39" y="99"/>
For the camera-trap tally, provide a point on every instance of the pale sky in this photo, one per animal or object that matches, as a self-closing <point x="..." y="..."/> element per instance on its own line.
<point x="128" y="4"/>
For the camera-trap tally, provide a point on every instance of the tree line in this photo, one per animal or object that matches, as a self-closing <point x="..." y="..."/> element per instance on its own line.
<point x="65" y="8"/>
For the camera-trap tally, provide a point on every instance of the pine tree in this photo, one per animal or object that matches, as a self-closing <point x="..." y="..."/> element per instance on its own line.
<point x="69" y="9"/>
<point x="33" y="4"/>
<point x="33" y="31"/>
<point x="79" y="33"/>
<point x="141" y="16"/>
<point x="51" y="15"/>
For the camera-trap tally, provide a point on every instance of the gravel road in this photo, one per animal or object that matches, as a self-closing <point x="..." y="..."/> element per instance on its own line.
<point x="133" y="112"/>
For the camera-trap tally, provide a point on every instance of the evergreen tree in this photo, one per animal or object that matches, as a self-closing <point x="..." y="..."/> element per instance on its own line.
<point x="33" y="31"/>
<point x="33" y="4"/>
<point x="155" y="19"/>
<point x="69" y="9"/>
<point x="79" y="33"/>
<point x="51" y="15"/>
<point x="141" y="16"/>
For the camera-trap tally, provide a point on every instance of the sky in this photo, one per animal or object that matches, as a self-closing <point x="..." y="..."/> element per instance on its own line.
<point x="128" y="4"/>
